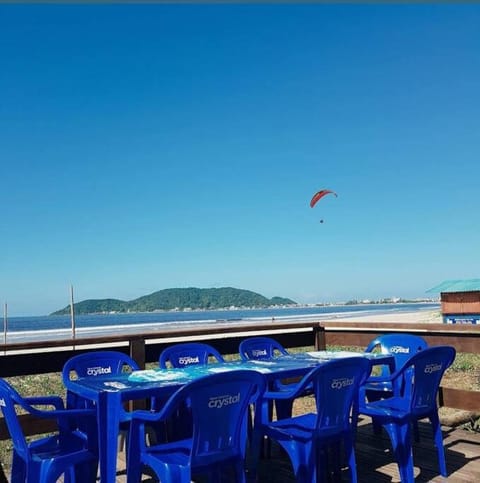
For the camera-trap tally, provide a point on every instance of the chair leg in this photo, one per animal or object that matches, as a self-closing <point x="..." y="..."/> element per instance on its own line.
<point x="166" y="473"/>
<point x="336" y="449"/>
<point x="249" y="424"/>
<point x="215" y="476"/>
<point x="438" y="438"/>
<point x="260" y="443"/>
<point x="255" y="450"/>
<point x="400" y="437"/>
<point x="322" y="465"/>
<point x="18" y="469"/>
<point x="134" y="462"/>
<point x="240" y="473"/>
<point x="352" y="462"/>
<point x="303" y="459"/>
<point x="416" y="432"/>
<point x="250" y="430"/>
<point x="83" y="472"/>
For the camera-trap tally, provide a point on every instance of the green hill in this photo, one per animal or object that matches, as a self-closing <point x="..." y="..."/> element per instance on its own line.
<point x="179" y="299"/>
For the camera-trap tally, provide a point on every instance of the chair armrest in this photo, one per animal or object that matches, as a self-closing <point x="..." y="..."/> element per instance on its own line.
<point x="373" y="379"/>
<point x="390" y="378"/>
<point x="63" y="413"/>
<point x="67" y="419"/>
<point x="279" y="394"/>
<point x="283" y="386"/>
<point x="289" y="391"/>
<point x="74" y="413"/>
<point x="55" y="401"/>
<point x="141" y="415"/>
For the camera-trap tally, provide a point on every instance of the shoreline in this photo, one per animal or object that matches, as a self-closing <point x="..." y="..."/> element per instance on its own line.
<point x="419" y="316"/>
<point x="415" y="317"/>
<point x="24" y="329"/>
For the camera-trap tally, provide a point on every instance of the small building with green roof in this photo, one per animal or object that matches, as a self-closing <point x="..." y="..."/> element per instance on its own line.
<point x="460" y="300"/>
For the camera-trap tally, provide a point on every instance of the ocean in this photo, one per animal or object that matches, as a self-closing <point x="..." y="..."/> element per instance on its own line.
<point x="38" y="328"/>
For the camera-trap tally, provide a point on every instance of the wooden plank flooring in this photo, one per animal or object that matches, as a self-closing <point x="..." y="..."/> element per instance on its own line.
<point x="462" y="451"/>
<point x="375" y="462"/>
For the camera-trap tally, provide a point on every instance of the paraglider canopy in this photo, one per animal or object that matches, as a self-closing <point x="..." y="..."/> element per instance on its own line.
<point x="320" y="194"/>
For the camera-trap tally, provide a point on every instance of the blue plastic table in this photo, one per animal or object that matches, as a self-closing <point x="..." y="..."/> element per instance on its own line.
<point x="110" y="392"/>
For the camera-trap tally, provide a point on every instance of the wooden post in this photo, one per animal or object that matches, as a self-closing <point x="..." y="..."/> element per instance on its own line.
<point x="137" y="351"/>
<point x="72" y="315"/>
<point x="319" y="338"/>
<point x="5" y="324"/>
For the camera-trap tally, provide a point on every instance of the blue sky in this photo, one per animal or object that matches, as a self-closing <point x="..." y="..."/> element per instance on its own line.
<point x="157" y="146"/>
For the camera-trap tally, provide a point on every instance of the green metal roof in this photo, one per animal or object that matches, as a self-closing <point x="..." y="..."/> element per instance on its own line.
<point x="470" y="285"/>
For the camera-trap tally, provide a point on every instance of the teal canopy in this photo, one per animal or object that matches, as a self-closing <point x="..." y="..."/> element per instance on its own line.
<point x="470" y="285"/>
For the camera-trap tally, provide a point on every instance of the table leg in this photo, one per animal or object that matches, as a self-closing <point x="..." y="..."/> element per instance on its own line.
<point x="108" y="409"/>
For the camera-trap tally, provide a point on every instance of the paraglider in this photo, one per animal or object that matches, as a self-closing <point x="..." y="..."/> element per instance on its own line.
<point x="320" y="194"/>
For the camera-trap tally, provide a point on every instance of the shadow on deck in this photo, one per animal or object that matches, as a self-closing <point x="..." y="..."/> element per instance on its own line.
<point x="375" y="462"/>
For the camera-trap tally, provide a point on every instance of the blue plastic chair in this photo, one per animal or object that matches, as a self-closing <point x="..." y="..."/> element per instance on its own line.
<point x="307" y="437"/>
<point x="179" y="356"/>
<point x="402" y="347"/>
<point x="94" y="364"/>
<point x="260" y="348"/>
<point x="44" y="460"/>
<point x="423" y="373"/>
<point x="264" y="348"/>
<point x="219" y="405"/>
<point x="185" y="354"/>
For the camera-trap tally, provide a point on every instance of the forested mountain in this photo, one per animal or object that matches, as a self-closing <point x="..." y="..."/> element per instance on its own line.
<point x="179" y="299"/>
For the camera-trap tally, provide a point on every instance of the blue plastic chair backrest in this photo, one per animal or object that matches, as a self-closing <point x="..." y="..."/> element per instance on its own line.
<point x="185" y="354"/>
<point x="9" y="398"/>
<point x="335" y="385"/>
<point x="221" y="398"/>
<point x="260" y="348"/>
<point x="98" y="363"/>
<point x="427" y="368"/>
<point x="401" y="346"/>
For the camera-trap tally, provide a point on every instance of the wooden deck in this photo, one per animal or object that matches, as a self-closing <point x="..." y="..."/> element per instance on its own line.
<point x="374" y="459"/>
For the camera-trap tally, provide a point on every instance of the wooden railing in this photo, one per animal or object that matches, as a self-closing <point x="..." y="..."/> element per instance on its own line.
<point x="45" y="357"/>
<point x="465" y="339"/>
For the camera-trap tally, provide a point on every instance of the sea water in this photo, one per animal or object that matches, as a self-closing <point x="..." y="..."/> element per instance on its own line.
<point x="60" y="326"/>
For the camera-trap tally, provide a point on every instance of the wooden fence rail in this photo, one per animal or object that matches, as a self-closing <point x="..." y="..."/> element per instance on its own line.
<point x="465" y="339"/>
<point x="45" y="357"/>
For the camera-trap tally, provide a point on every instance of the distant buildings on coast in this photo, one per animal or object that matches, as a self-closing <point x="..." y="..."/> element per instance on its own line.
<point x="392" y="300"/>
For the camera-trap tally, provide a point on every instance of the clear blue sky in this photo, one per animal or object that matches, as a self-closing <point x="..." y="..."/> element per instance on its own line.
<point x="158" y="146"/>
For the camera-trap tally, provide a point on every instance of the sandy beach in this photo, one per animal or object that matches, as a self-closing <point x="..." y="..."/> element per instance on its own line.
<point x="423" y="316"/>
